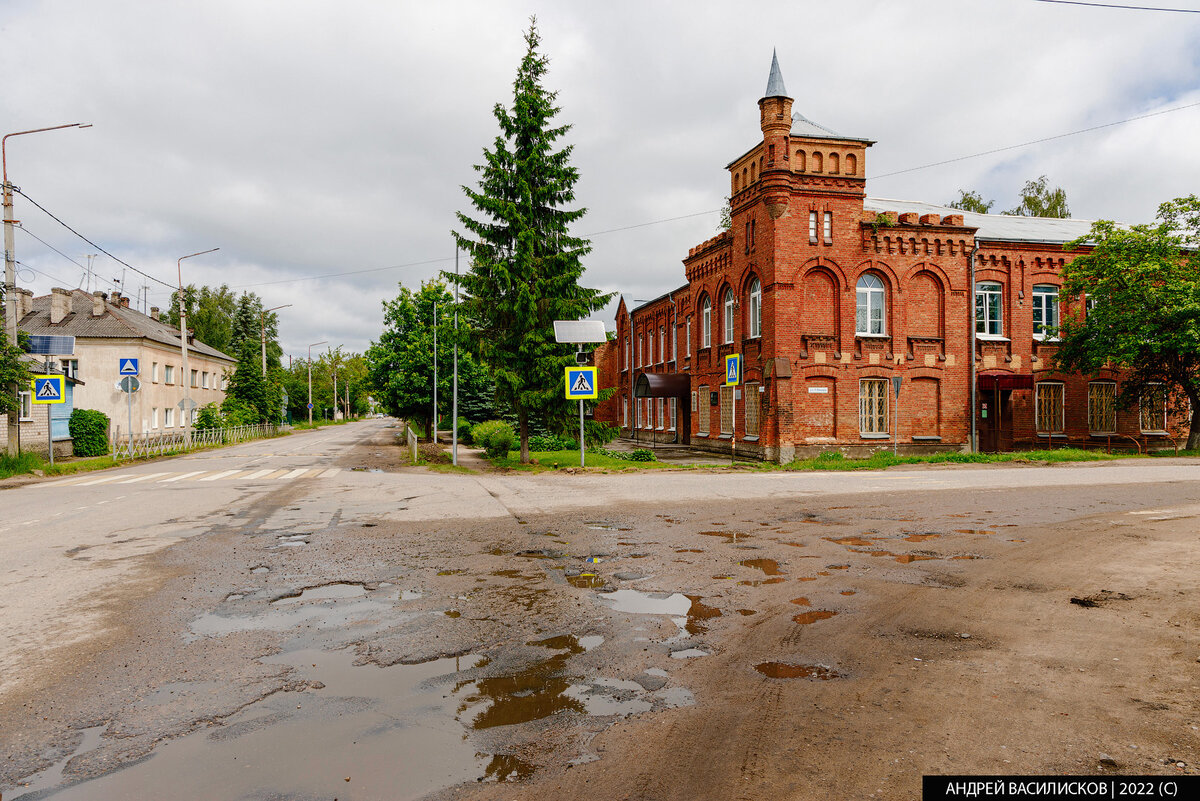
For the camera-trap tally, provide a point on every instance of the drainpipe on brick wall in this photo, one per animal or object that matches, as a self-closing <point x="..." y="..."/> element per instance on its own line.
<point x="974" y="366"/>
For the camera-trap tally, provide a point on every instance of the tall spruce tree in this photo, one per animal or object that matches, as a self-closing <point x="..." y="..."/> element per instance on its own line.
<point x="525" y="265"/>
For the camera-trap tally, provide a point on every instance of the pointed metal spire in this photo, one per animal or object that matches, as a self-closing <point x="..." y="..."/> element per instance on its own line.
<point x="775" y="87"/>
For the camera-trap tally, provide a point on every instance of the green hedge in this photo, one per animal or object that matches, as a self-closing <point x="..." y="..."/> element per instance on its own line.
<point x="89" y="432"/>
<point x="550" y="442"/>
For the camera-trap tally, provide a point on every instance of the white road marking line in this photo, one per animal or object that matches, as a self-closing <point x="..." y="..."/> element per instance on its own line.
<point x="144" y="477"/>
<point x="333" y="471"/>
<point x="181" y="476"/>
<point x="299" y="471"/>
<point x="104" y="480"/>
<point x="224" y="474"/>
<point x="260" y="473"/>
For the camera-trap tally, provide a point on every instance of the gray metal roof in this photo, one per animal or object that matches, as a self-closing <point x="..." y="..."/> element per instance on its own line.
<point x="775" y="87"/>
<point x="993" y="227"/>
<point x="117" y="322"/>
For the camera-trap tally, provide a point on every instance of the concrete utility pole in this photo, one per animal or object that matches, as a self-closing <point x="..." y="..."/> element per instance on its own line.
<point x="435" y="420"/>
<point x="310" y="347"/>
<point x="454" y="391"/>
<point x="262" y="322"/>
<point x="185" y="376"/>
<point x="10" y="274"/>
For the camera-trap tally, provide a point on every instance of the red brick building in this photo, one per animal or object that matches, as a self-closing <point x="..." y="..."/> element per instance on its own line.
<point x="830" y="295"/>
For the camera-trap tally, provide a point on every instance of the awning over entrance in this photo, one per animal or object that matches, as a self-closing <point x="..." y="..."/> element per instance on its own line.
<point x="662" y="385"/>
<point x="990" y="382"/>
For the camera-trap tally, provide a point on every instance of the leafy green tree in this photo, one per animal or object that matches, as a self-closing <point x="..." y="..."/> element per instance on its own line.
<point x="209" y="313"/>
<point x="13" y="372"/>
<point x="1039" y="200"/>
<point x="1142" y="290"/>
<point x="400" y="364"/>
<point x="525" y="265"/>
<point x="249" y="322"/>
<point x="248" y="390"/>
<point x="971" y="201"/>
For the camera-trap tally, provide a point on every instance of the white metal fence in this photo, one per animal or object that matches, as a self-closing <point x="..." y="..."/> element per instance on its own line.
<point x="163" y="443"/>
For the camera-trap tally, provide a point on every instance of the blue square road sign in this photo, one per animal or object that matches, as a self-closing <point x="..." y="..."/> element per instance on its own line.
<point x="129" y="366"/>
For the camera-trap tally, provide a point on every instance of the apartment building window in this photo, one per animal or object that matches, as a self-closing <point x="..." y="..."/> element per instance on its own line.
<point x="204" y="379"/>
<point x="168" y="374"/>
<point x="26" y="410"/>
<point x="194" y="377"/>
<point x="154" y="417"/>
<point x="1045" y="311"/>
<point x="755" y="308"/>
<point x="154" y="372"/>
<point x="702" y="411"/>
<point x="70" y="368"/>
<point x="988" y="308"/>
<point x="1049" y="403"/>
<point x="869" y="314"/>
<point x="168" y="417"/>
<point x="873" y="406"/>
<point x="1153" y="408"/>
<point x="1102" y="407"/>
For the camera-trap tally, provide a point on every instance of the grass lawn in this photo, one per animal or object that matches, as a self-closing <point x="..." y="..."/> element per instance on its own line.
<point x="557" y="460"/>
<point x="879" y="460"/>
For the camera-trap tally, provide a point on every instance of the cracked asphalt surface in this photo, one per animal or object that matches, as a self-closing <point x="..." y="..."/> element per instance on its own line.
<point x="406" y="634"/>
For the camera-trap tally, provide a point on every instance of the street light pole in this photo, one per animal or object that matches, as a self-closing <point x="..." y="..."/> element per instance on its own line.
<point x="184" y="375"/>
<point x="10" y="272"/>
<point x="435" y="328"/>
<point x="310" y="347"/>
<point x="454" y="391"/>
<point x="262" y="320"/>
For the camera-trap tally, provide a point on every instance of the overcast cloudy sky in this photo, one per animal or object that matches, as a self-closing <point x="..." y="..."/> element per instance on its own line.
<point x="308" y="138"/>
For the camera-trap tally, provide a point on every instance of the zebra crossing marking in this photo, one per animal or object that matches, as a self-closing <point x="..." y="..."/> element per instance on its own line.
<point x="239" y="474"/>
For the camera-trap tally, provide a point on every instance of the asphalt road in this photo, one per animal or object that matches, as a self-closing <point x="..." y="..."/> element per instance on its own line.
<point x="241" y="615"/>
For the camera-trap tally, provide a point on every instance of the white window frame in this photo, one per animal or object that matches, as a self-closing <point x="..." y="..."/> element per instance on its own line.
<point x="204" y="379"/>
<point x="755" y="309"/>
<point x="1045" y="306"/>
<point x="628" y="348"/>
<point x="154" y="417"/>
<point x="638" y="356"/>
<point x="194" y="376"/>
<point x="662" y="344"/>
<point x="870" y="295"/>
<point x="728" y="317"/>
<point x="70" y="368"/>
<point x="168" y="374"/>
<point x="827" y="228"/>
<point x="812" y="228"/>
<point x="987" y="324"/>
<point x="706" y="323"/>
<point x="687" y="340"/>
<point x="154" y="372"/>
<point x="672" y="413"/>
<point x="25" y="410"/>
<point x="658" y="403"/>
<point x="675" y="341"/>
<point x="168" y="417"/>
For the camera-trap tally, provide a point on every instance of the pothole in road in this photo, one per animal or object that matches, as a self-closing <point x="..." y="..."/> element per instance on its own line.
<point x="325" y="592"/>
<point x="805" y="618"/>
<point x="786" y="670"/>
<point x="333" y="607"/>
<point x="730" y="537"/>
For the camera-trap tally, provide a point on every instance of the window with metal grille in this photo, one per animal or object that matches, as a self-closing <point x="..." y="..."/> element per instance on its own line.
<point x="751" y="396"/>
<point x="1153" y="408"/>
<point x="700" y="406"/>
<point x="873" y="405"/>
<point x="1049" y="404"/>
<point x="726" y="410"/>
<point x="1102" y="406"/>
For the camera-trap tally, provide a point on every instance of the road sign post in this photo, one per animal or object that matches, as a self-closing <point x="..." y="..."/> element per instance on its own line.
<point x="733" y="378"/>
<point x="581" y="385"/>
<point x="48" y="390"/>
<point x="129" y="385"/>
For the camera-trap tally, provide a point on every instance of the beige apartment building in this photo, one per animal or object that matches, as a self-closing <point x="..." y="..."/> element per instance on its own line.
<point x="107" y="333"/>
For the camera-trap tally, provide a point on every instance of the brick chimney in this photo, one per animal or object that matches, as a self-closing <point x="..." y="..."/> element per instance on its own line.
<point x="154" y="313"/>
<point x="116" y="298"/>
<point x="60" y="305"/>
<point x="98" y="304"/>
<point x="24" y="303"/>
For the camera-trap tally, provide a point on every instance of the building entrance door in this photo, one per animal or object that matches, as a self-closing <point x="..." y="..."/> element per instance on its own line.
<point x="996" y="420"/>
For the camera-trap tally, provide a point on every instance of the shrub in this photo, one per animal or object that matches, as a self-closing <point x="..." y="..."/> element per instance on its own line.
<point x="89" y="432"/>
<point x="238" y="413"/>
<point x="639" y="455"/>
<point x="496" y="437"/>
<point x="551" y="442"/>
<point x="209" y="417"/>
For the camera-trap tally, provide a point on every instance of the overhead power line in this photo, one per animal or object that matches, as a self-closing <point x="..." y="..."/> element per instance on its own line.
<point x="1115" y="5"/>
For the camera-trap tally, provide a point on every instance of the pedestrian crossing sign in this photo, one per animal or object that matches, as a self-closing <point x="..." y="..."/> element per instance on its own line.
<point x="581" y="383"/>
<point x="733" y="369"/>
<point x="48" y="389"/>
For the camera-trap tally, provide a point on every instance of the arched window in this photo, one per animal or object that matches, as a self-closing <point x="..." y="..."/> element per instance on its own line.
<point x="706" y="323"/>
<point x="989" y="306"/>
<point x="869" y="315"/>
<point x="755" y="308"/>
<point x="728" y="328"/>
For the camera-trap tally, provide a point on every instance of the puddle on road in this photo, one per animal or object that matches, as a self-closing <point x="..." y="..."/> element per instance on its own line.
<point x="768" y="566"/>
<point x="257" y="569"/>
<point x="586" y="581"/>
<point x="801" y="601"/>
<point x="354" y="727"/>
<point x="978" y="531"/>
<point x="451" y="572"/>
<point x="862" y="542"/>
<point x="902" y="558"/>
<point x="760" y="582"/>
<point x="689" y="550"/>
<point x="52" y="776"/>
<point x="795" y="544"/>
<point x="689" y="653"/>
<point x="804" y="618"/>
<point x="921" y="537"/>
<point x="647" y="603"/>
<point x="697" y="613"/>
<point x="746" y="612"/>
<point x="786" y="670"/>
<point x="731" y="537"/>
<point x="849" y="592"/>
<point x="324" y="592"/>
<point x="504" y="767"/>
<point x="454" y="613"/>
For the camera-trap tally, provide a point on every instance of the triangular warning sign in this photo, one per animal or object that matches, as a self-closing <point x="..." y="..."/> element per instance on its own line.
<point x="48" y="391"/>
<point x="127" y="367"/>
<point x="582" y="385"/>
